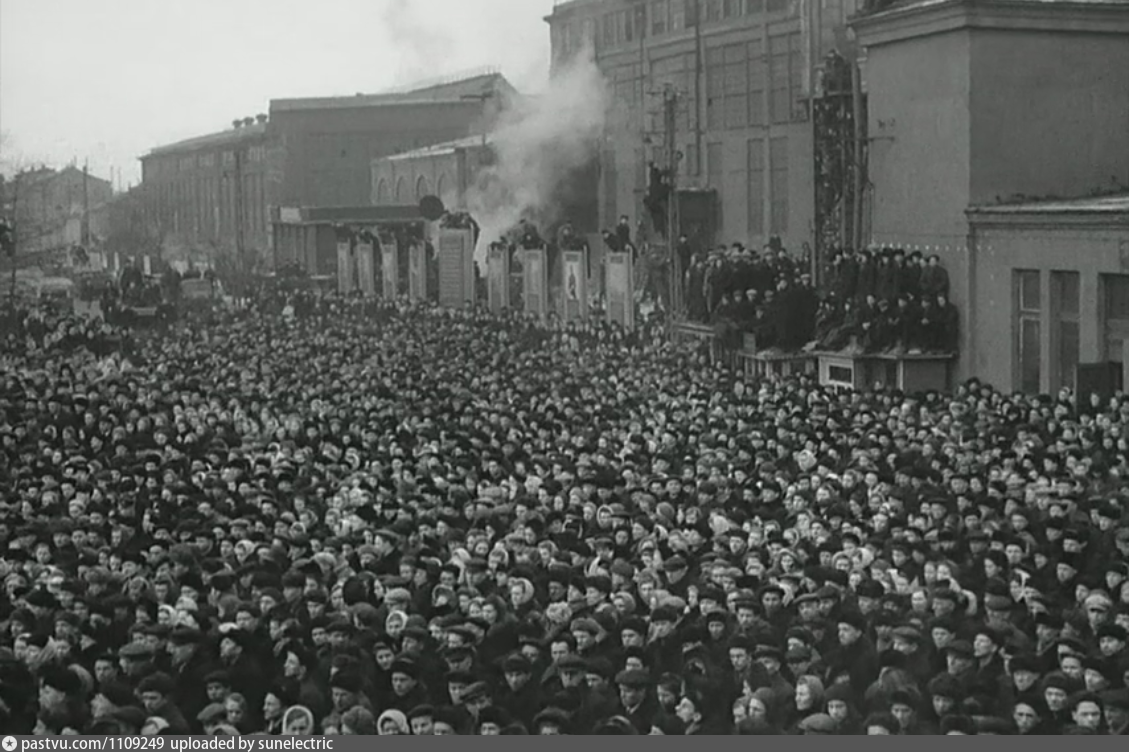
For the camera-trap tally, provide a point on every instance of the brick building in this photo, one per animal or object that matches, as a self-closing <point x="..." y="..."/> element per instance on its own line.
<point x="307" y="153"/>
<point x="57" y="209"/>
<point x="744" y="76"/>
<point x="202" y="191"/>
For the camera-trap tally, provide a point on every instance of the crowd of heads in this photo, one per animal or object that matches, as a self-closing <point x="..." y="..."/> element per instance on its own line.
<point x="376" y="518"/>
<point x="874" y="301"/>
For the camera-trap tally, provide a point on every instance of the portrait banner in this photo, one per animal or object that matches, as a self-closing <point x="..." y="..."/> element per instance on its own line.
<point x="574" y="295"/>
<point x="456" y="268"/>
<point x="389" y="269"/>
<point x="498" y="278"/>
<point x="620" y="285"/>
<point x="417" y="272"/>
<point x="345" y="269"/>
<point x="536" y="291"/>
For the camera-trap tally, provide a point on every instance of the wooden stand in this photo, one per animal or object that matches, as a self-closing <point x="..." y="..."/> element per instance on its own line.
<point x="905" y="372"/>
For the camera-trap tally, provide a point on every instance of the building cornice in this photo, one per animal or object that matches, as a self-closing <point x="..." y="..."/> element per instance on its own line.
<point x="929" y="17"/>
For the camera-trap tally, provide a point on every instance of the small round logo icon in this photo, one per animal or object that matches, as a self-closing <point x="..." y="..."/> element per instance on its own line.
<point x="10" y="744"/>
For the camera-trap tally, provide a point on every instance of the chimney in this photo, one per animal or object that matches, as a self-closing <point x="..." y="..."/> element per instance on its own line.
<point x="236" y="123"/>
<point x="248" y="121"/>
<point x="261" y="118"/>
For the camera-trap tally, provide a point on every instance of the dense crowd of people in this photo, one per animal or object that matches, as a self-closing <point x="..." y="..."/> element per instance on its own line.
<point x="356" y="517"/>
<point x="869" y="302"/>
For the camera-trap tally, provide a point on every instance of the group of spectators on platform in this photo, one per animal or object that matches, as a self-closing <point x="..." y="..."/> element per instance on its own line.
<point x="372" y="518"/>
<point x="868" y="302"/>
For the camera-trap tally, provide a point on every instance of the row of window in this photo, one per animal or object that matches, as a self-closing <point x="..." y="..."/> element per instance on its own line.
<point x="207" y="208"/>
<point x="659" y="17"/>
<point x="1060" y="310"/>
<point x="745" y="86"/>
<point x="398" y="193"/>
<point x="162" y="167"/>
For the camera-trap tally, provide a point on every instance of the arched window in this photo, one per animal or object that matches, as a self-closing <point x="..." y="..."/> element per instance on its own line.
<point x="441" y="188"/>
<point x="399" y="197"/>
<point x="421" y="187"/>
<point x="381" y="192"/>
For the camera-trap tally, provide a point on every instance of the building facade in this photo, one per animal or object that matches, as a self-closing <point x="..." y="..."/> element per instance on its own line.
<point x="1049" y="288"/>
<point x="57" y="209"/>
<point x="214" y="194"/>
<point x="205" y="196"/>
<point x="327" y="145"/>
<point x="744" y="72"/>
<point x="990" y="104"/>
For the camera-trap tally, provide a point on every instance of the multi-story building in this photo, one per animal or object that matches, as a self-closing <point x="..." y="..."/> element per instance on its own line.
<point x="218" y="192"/>
<point x="207" y="195"/>
<point x="744" y="73"/>
<point x="327" y="145"/>
<point x="57" y="209"/>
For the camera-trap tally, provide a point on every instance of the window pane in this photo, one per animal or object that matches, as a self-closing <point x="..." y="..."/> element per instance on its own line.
<point x="1029" y="292"/>
<point x="756" y="187"/>
<point x="1066" y="292"/>
<point x="1068" y="348"/>
<point x="1116" y="296"/>
<point x="1029" y="337"/>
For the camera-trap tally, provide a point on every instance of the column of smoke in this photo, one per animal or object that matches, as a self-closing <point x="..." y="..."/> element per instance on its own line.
<point x="537" y="145"/>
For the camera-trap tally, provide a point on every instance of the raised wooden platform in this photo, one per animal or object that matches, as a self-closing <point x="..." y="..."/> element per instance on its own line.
<point x="920" y="372"/>
<point x="775" y="365"/>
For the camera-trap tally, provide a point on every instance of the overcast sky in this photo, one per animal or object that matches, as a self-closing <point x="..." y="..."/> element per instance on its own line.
<point x="107" y="80"/>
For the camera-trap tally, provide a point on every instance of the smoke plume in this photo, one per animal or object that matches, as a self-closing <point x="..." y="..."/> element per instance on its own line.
<point x="419" y="41"/>
<point x="538" y="143"/>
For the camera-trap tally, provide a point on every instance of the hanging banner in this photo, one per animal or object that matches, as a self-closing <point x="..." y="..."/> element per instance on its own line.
<point x="574" y="293"/>
<point x="417" y="272"/>
<point x="498" y="278"/>
<point x="619" y="283"/>
<point x="536" y="292"/>
<point x="456" y="268"/>
<point x="345" y="283"/>
<point x="390" y="268"/>
<point x="366" y="268"/>
<point x="147" y="265"/>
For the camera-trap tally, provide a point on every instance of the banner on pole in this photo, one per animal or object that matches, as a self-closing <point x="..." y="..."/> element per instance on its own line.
<point x="536" y="292"/>
<point x="345" y="269"/>
<point x="456" y="268"/>
<point x="498" y="278"/>
<point x="366" y="268"/>
<point x="574" y="295"/>
<point x="417" y="272"/>
<point x="390" y="268"/>
<point x="620" y="286"/>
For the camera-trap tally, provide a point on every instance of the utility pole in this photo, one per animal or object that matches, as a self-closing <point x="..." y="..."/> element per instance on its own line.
<point x="239" y="208"/>
<point x="85" y="229"/>
<point x="14" y="229"/>
<point x="670" y="148"/>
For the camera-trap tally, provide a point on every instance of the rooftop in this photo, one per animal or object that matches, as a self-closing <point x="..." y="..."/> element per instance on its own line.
<point x="438" y="150"/>
<point x="222" y="138"/>
<point x="458" y="90"/>
<point x="1115" y="204"/>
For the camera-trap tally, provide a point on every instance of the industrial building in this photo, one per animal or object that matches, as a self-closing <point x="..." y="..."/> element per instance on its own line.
<point x="745" y="73"/>
<point x="217" y="194"/>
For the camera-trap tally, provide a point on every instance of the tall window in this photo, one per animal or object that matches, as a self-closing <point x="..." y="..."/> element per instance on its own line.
<point x="1028" y="330"/>
<point x="779" y="64"/>
<point x="660" y="16"/>
<point x="1066" y="306"/>
<point x="778" y="190"/>
<point x="714" y="172"/>
<point x="1115" y="310"/>
<point x="758" y="74"/>
<point x="756" y="188"/>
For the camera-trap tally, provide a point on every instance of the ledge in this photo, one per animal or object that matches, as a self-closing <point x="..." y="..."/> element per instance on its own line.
<point x="907" y="21"/>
